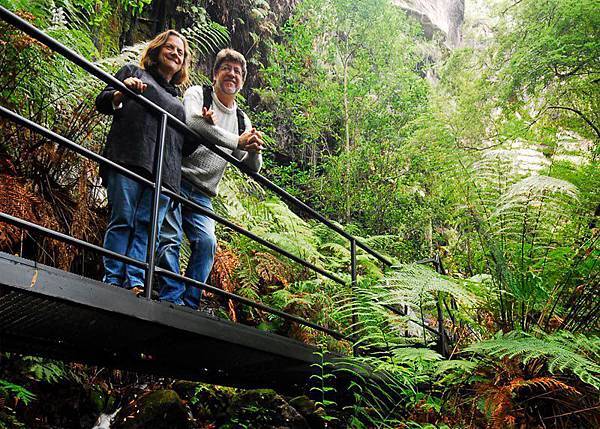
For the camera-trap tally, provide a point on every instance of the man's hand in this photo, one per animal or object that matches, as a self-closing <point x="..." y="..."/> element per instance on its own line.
<point x="208" y="116"/>
<point x="132" y="83"/>
<point x="251" y="141"/>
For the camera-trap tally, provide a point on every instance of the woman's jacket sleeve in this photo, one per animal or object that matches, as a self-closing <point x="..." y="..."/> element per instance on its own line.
<point x="104" y="99"/>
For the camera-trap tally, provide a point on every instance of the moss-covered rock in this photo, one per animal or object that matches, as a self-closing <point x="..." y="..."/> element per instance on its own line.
<point x="309" y="410"/>
<point x="207" y="402"/>
<point x="263" y="408"/>
<point x="161" y="409"/>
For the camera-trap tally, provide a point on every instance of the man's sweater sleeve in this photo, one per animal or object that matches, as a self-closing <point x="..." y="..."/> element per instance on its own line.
<point x="251" y="159"/>
<point x="192" y="102"/>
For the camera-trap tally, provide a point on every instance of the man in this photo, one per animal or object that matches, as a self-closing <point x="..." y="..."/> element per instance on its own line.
<point x="221" y="122"/>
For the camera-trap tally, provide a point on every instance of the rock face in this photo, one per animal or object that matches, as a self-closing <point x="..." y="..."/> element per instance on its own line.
<point x="445" y="16"/>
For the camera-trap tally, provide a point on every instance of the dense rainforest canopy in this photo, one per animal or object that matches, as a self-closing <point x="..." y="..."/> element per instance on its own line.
<point x="482" y="152"/>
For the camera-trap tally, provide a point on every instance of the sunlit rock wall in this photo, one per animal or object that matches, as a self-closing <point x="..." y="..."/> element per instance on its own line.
<point x="445" y="16"/>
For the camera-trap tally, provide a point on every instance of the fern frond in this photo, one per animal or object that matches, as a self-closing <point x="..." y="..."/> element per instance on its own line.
<point x="411" y="355"/>
<point x="532" y="211"/>
<point x="129" y="54"/>
<point x="395" y="310"/>
<point x="492" y="174"/>
<point x="206" y="38"/>
<point x="17" y="391"/>
<point x="465" y="366"/>
<point x="562" y="352"/>
<point x="545" y="384"/>
<point x="415" y="285"/>
<point x="498" y="169"/>
<point x="339" y="250"/>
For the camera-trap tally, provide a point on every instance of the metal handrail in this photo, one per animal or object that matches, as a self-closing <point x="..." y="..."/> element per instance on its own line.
<point x="166" y="117"/>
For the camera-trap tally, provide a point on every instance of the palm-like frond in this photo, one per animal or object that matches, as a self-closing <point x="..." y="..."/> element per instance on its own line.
<point x="562" y="352"/>
<point x="492" y="174"/>
<point x="247" y="204"/>
<point x="416" y="285"/>
<point x="398" y="309"/>
<point x="129" y="54"/>
<point x="206" y="38"/>
<point x="533" y="212"/>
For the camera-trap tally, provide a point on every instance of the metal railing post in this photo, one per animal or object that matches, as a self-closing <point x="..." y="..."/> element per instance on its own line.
<point x="353" y="289"/>
<point x="153" y="232"/>
<point x="445" y="351"/>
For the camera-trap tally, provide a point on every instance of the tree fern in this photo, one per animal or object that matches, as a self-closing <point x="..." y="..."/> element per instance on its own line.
<point x="491" y="175"/>
<point x="399" y="309"/>
<point x="562" y="352"/>
<point x="533" y="212"/>
<point x="416" y="285"/>
<point x="526" y="225"/>
<point x="206" y="38"/>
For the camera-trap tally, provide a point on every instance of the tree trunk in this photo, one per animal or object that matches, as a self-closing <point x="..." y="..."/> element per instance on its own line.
<point x="347" y="132"/>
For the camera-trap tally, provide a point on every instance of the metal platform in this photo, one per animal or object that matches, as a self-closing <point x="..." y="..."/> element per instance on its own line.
<point x="49" y="312"/>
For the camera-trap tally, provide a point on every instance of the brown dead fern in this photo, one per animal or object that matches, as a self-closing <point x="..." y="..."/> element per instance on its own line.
<point x="506" y="393"/>
<point x="222" y="275"/>
<point x="273" y="273"/>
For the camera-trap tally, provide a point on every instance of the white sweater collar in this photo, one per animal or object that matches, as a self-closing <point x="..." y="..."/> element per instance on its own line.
<point x="221" y="106"/>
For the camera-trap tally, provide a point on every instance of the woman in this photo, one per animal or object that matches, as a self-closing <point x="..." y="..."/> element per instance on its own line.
<point x="132" y="143"/>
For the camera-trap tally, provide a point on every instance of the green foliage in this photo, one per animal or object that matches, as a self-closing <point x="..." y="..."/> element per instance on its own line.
<point x="206" y="37"/>
<point x="135" y="6"/>
<point x="33" y="73"/>
<point x="493" y="164"/>
<point x="322" y="383"/>
<point x="45" y="370"/>
<point x="10" y="389"/>
<point x="387" y="319"/>
<point x="551" y="49"/>
<point x="562" y="352"/>
<point x="335" y="96"/>
<point x="90" y="22"/>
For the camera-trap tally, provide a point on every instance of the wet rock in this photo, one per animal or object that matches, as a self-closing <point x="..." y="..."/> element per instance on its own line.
<point x="208" y="403"/>
<point x="309" y="410"/>
<point x="161" y="409"/>
<point x="265" y="409"/>
<point x="185" y="389"/>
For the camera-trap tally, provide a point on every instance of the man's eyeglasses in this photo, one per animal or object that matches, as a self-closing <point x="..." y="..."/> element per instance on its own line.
<point x="228" y="69"/>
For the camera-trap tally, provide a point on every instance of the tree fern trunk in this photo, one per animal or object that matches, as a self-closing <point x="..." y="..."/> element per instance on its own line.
<point x="347" y="131"/>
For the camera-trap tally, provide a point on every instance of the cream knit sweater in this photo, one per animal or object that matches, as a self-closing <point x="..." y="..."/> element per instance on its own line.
<point x="204" y="168"/>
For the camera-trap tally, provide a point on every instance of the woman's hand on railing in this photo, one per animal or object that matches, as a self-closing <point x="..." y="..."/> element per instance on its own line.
<point x="132" y="83"/>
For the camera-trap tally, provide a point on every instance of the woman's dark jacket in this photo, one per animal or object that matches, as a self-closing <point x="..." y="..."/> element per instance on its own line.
<point x="132" y="139"/>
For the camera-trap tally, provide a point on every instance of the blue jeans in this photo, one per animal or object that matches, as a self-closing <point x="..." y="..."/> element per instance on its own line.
<point x="128" y="227"/>
<point x="200" y="231"/>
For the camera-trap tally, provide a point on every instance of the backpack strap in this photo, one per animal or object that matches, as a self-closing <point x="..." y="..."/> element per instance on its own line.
<point x="241" y="121"/>
<point x="207" y="102"/>
<point x="207" y="96"/>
